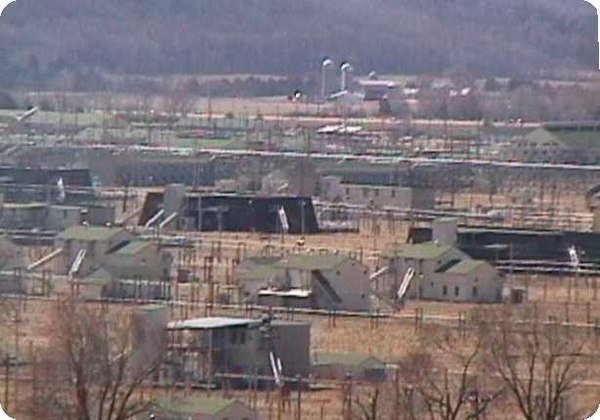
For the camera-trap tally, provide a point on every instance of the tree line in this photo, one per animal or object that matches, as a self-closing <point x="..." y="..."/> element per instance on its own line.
<point x="90" y="40"/>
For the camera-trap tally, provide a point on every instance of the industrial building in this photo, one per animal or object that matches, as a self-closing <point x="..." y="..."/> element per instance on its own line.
<point x="378" y="196"/>
<point x="200" y="408"/>
<point x="203" y="350"/>
<point x="522" y="250"/>
<point x="86" y="249"/>
<point x="177" y="209"/>
<point x="575" y="143"/>
<point x="320" y="281"/>
<point x="438" y="270"/>
<point x="27" y="176"/>
<point x="435" y="271"/>
<point x="103" y="285"/>
<point x="337" y="366"/>
<point x="53" y="217"/>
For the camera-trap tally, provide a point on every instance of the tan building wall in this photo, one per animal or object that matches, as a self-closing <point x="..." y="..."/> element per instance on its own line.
<point x="378" y="195"/>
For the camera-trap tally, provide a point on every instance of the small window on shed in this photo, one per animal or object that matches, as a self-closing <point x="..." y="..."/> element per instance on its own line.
<point x="445" y="290"/>
<point x="393" y="193"/>
<point x="475" y="291"/>
<point x="456" y="291"/>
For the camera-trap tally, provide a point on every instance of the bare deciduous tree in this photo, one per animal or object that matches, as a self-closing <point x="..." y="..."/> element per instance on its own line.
<point x="540" y="362"/>
<point x="94" y="368"/>
<point x="368" y="407"/>
<point x="445" y="380"/>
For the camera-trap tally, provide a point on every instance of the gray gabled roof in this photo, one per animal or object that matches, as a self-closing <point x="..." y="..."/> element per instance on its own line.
<point x="466" y="266"/>
<point x="266" y="268"/>
<point x="90" y="233"/>
<point x="348" y="359"/>
<point x="197" y="405"/>
<point x="322" y="262"/>
<point x="258" y="269"/>
<point x="567" y="136"/>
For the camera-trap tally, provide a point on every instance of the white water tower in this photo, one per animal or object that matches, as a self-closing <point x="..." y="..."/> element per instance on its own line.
<point x="346" y="75"/>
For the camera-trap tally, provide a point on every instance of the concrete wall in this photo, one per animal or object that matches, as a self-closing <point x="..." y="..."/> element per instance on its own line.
<point x="292" y="346"/>
<point x="174" y="200"/>
<point x="351" y="282"/>
<point x="100" y="215"/>
<point x="62" y="217"/>
<point x="19" y="216"/>
<point x="445" y="231"/>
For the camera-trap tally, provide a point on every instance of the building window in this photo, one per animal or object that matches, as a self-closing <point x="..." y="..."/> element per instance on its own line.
<point x="347" y="192"/>
<point x="445" y="290"/>
<point x="393" y="193"/>
<point x="475" y="291"/>
<point x="456" y="291"/>
<point x="376" y="192"/>
<point x="242" y="337"/>
<point x="365" y="192"/>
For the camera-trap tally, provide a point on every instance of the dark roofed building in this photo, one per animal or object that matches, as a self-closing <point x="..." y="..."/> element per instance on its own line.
<point x="230" y="212"/>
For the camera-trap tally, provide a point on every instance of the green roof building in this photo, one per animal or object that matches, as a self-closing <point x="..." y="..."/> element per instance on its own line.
<point x="202" y="408"/>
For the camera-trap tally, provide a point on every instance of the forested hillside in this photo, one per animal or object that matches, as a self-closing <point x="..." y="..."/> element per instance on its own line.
<point x="41" y="41"/>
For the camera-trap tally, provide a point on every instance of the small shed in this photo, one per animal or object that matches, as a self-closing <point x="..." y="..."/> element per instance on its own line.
<point x="201" y="408"/>
<point x="338" y="365"/>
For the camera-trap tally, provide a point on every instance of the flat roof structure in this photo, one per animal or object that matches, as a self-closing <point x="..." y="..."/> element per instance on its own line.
<point x="292" y="293"/>
<point x="211" y="323"/>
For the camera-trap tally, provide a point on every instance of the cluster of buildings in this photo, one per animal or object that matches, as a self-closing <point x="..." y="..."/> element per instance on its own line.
<point x="562" y="143"/>
<point x="256" y="353"/>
